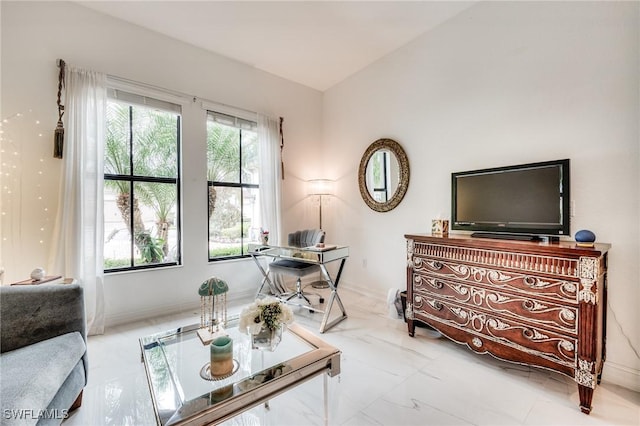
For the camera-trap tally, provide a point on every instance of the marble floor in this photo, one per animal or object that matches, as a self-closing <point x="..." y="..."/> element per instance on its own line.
<point x="387" y="378"/>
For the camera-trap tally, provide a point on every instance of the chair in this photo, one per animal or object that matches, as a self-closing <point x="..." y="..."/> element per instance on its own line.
<point x="304" y="238"/>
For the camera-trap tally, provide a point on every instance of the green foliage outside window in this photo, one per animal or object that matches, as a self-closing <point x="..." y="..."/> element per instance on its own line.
<point x="232" y="170"/>
<point x="141" y="171"/>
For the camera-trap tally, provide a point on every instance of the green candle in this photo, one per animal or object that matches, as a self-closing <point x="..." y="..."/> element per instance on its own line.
<point x="221" y="356"/>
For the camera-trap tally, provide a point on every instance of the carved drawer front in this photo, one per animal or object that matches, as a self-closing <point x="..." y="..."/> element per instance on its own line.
<point x="527" y="262"/>
<point x="535" y="341"/>
<point x="560" y="289"/>
<point x="518" y="307"/>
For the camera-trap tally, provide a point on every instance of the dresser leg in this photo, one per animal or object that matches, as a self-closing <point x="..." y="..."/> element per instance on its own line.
<point x="586" y="395"/>
<point x="412" y="327"/>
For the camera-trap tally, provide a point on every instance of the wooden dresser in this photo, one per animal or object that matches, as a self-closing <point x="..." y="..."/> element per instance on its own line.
<point x="540" y="304"/>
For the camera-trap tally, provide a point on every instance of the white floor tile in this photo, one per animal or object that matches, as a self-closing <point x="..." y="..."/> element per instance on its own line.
<point x="388" y="378"/>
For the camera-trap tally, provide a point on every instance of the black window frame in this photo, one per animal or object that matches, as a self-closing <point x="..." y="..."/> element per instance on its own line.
<point x="242" y="186"/>
<point x="132" y="178"/>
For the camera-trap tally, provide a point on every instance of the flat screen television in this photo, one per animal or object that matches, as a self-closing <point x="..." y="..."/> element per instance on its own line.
<point x="523" y="201"/>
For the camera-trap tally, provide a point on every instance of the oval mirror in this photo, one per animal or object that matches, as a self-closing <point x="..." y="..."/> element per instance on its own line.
<point x="383" y="175"/>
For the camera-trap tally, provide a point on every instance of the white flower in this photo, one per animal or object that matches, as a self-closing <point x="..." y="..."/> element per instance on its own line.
<point x="286" y="316"/>
<point x="248" y="318"/>
<point x="261" y="313"/>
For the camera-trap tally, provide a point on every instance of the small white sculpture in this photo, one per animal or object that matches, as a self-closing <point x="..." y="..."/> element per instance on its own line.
<point x="37" y="274"/>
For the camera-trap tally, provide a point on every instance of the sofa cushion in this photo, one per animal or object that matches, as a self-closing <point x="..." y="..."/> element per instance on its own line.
<point x="65" y="397"/>
<point x="32" y="375"/>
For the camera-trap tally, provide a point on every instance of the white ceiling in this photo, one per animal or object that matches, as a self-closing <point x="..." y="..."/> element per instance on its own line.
<point x="317" y="43"/>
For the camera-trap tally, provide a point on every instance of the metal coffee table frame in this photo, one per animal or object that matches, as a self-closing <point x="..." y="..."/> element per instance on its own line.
<point x="321" y="358"/>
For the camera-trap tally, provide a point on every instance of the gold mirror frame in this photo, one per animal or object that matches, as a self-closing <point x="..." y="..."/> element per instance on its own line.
<point x="403" y="181"/>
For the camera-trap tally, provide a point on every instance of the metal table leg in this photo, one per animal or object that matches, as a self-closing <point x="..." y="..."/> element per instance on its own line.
<point x="333" y="297"/>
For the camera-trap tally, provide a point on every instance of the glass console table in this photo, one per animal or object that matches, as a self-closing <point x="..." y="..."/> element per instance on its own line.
<point x="312" y="255"/>
<point x="180" y="395"/>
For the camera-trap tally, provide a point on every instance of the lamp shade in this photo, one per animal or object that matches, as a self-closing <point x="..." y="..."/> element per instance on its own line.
<point x="320" y="187"/>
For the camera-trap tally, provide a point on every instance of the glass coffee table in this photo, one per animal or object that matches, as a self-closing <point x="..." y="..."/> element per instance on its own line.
<point x="181" y="395"/>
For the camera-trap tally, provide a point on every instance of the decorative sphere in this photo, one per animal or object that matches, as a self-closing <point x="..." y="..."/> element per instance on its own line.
<point x="585" y="236"/>
<point x="37" y="274"/>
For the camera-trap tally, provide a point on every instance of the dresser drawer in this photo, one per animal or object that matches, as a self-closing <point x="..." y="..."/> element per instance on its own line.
<point x="559" y="289"/>
<point x="527" y="262"/>
<point x="554" y="347"/>
<point x="518" y="307"/>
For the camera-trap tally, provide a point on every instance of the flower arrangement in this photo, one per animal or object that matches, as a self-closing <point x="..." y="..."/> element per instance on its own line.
<point x="264" y="236"/>
<point x="268" y="312"/>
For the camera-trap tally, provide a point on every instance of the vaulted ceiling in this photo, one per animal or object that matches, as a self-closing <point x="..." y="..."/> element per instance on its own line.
<point x="315" y="43"/>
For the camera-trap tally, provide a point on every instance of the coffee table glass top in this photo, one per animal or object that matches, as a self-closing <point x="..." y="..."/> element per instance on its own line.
<point x="174" y="359"/>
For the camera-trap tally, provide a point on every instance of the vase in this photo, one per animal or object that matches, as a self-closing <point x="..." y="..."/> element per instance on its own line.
<point x="265" y="240"/>
<point x="266" y="339"/>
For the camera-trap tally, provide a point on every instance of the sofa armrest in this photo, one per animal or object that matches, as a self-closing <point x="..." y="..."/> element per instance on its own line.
<point x="30" y="314"/>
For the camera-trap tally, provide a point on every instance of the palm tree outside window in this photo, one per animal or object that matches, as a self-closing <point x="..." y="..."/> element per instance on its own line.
<point x="232" y="185"/>
<point x="141" y="183"/>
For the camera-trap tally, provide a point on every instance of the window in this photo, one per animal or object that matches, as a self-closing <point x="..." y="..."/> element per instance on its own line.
<point x="232" y="185"/>
<point x="141" y="183"/>
<point x="380" y="180"/>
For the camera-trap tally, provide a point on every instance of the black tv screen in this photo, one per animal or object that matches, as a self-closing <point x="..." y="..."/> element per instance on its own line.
<point x="528" y="199"/>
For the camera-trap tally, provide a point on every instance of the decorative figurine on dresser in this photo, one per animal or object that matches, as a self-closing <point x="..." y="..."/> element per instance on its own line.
<point x="540" y="304"/>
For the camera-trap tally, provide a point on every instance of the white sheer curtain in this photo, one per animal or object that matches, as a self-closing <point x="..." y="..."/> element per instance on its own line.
<point x="78" y="233"/>
<point x="270" y="190"/>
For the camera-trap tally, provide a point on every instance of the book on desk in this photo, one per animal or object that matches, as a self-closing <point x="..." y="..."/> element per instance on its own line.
<point x="326" y="247"/>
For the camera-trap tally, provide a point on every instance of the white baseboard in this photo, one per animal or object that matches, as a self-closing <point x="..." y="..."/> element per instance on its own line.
<point x="174" y="308"/>
<point x="620" y="375"/>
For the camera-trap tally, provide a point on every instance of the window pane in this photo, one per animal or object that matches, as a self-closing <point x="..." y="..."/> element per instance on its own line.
<point x="250" y="157"/>
<point x="233" y="176"/>
<point x="155" y="142"/>
<point x="117" y="160"/>
<point x="251" y="212"/>
<point x="225" y="225"/>
<point x="379" y="180"/>
<point x="141" y="205"/>
<point x="117" y="238"/>
<point x="378" y="169"/>
<point x="154" y="223"/>
<point x="223" y="153"/>
<point x="380" y="196"/>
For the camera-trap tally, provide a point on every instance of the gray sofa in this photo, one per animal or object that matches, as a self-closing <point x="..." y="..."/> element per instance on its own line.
<point x="43" y="353"/>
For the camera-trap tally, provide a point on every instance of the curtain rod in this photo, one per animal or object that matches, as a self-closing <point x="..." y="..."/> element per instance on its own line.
<point x="171" y="92"/>
<point x="176" y="93"/>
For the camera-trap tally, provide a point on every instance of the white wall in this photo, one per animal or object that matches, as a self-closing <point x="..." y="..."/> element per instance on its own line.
<point x="502" y="83"/>
<point x="34" y="35"/>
